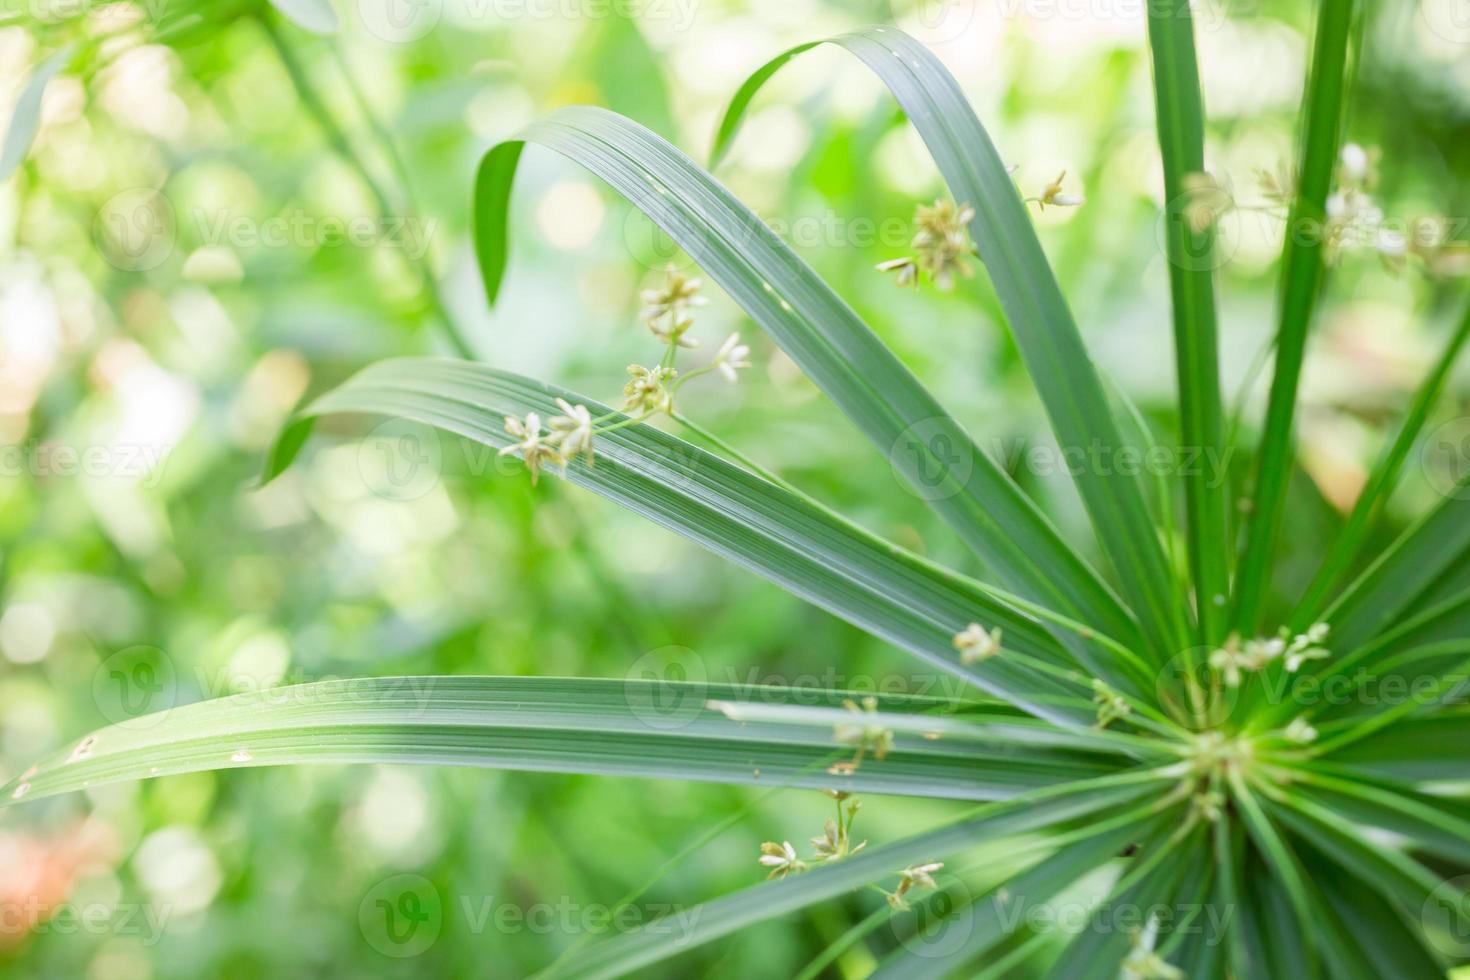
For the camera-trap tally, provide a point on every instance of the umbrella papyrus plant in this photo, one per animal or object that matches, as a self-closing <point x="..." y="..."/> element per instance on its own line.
<point x="1134" y="719"/>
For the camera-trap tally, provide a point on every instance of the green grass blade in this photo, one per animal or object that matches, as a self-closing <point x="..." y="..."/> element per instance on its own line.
<point x="1373" y="934"/>
<point x="1038" y="314"/>
<point x="1401" y="575"/>
<point x="1035" y="813"/>
<point x="1436" y="825"/>
<point x="1432" y="748"/>
<point x="802" y="547"/>
<point x="1181" y="125"/>
<point x="1380" y="485"/>
<point x="1301" y="282"/>
<point x="1098" y="951"/>
<point x="634" y="727"/>
<point x="988" y="920"/>
<point x="824" y="336"/>
<point x="1286" y="869"/>
<point x="25" y="118"/>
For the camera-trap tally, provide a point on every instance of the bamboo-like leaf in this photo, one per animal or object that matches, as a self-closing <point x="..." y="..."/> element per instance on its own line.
<point x="1034" y="813"/>
<point x="1380" y="485"/>
<point x="1285" y="867"/>
<point x="1435" y="824"/>
<point x="634" y="727"/>
<point x="25" y="118"/>
<point x="992" y="919"/>
<point x="1434" y="748"/>
<point x="1373" y="933"/>
<point x="824" y="336"/>
<point x="1098" y="951"/>
<point x="1403" y="573"/>
<point x="1301" y="278"/>
<point x="805" y="549"/>
<point x="1039" y="317"/>
<point x="1181" y="125"/>
<point x="1388" y="871"/>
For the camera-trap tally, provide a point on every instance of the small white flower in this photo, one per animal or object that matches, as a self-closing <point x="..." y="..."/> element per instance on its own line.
<point x="906" y="267"/>
<point x="572" y="430"/>
<point x="780" y="858"/>
<point x="1356" y="165"/>
<point x="1301" y="731"/>
<point x="1110" y="704"/>
<point x="919" y="876"/>
<point x="672" y="301"/>
<point x="535" y="452"/>
<point x="1143" y="963"/>
<point x="731" y="357"/>
<point x="975" y="644"/>
<point x="1052" y="194"/>
<point x="648" y="390"/>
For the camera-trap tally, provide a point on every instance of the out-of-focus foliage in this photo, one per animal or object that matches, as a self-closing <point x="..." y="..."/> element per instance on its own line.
<point x="183" y="256"/>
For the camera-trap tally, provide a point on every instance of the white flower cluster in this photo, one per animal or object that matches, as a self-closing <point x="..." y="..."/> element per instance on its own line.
<point x="1235" y="657"/>
<point x="667" y="312"/>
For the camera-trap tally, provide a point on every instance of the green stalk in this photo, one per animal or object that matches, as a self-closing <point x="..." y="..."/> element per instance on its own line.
<point x="1300" y="285"/>
<point x="342" y="146"/>
<point x="1181" y="125"/>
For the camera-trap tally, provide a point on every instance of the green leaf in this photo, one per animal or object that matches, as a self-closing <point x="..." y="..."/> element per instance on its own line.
<point x="1097" y="952"/>
<point x="1380" y="485"/>
<point x="635" y="727"/>
<point x="1301" y="282"/>
<point x="991" y="920"/>
<point x="1434" y="824"/>
<point x="1391" y="585"/>
<point x="1278" y="855"/>
<point x="807" y="550"/>
<point x="316" y="16"/>
<point x="1181" y="125"/>
<point x="25" y="118"/>
<point x="1035" y="813"/>
<point x="1373" y="935"/>
<point x="1434" y="748"/>
<point x="825" y="337"/>
<point x="1045" y="332"/>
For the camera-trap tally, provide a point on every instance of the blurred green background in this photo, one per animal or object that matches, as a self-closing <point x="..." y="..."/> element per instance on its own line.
<point x="183" y="257"/>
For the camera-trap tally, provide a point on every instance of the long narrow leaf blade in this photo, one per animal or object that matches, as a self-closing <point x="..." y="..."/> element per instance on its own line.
<point x="1380" y="483"/>
<point x="1181" y="125"/>
<point x="823" y="335"/>
<point x="1302" y="273"/>
<point x="634" y="727"/>
<point x="1043" y="326"/>
<point x="807" y="550"/>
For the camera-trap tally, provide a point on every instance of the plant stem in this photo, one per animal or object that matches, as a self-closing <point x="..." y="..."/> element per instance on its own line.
<point x="342" y="146"/>
<point x="1301" y="285"/>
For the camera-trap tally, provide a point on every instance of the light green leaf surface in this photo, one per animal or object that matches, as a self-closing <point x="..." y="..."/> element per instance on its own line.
<point x="823" y="335"/>
<point x="25" y="118"/>
<point x="634" y="727"/>
<point x="1040" y="320"/>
